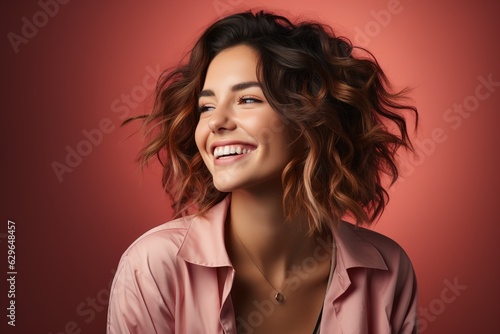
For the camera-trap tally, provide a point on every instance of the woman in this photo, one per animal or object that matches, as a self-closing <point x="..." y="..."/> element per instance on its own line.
<point x="270" y="136"/>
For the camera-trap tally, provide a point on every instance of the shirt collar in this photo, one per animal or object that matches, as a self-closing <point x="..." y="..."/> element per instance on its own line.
<point x="204" y="242"/>
<point x="355" y="251"/>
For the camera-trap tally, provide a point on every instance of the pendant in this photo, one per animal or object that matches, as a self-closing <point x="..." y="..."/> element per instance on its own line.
<point x="279" y="297"/>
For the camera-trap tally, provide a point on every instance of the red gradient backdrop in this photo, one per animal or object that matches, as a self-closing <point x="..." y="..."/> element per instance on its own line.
<point x="83" y="66"/>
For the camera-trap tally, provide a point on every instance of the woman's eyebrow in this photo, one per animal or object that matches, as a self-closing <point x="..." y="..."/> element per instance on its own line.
<point x="234" y="88"/>
<point x="245" y="85"/>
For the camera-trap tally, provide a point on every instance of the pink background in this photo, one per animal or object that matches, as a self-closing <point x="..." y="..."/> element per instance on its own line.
<point x="72" y="74"/>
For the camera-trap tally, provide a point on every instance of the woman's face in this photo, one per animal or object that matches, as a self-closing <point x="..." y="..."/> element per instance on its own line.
<point x="240" y="138"/>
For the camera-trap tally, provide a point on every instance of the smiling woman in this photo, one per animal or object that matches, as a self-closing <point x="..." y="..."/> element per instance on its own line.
<point x="234" y="111"/>
<point x="270" y="136"/>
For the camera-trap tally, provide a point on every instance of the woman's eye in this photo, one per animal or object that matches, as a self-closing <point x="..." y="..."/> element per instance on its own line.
<point x="204" y="108"/>
<point x="246" y="100"/>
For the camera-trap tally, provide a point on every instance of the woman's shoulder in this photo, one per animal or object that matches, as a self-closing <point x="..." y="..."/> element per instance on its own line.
<point x="159" y="244"/>
<point x="359" y="237"/>
<point x="383" y="282"/>
<point x="375" y="238"/>
<point x="195" y="238"/>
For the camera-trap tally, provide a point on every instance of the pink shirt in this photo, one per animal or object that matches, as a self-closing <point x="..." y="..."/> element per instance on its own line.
<point x="177" y="278"/>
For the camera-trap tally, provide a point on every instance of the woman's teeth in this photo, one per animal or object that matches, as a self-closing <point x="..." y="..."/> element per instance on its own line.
<point x="230" y="150"/>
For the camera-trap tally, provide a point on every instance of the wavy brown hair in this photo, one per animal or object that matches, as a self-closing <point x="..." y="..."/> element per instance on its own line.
<point x="339" y="105"/>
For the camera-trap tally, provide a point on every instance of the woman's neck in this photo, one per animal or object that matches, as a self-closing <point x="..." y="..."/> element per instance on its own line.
<point x="256" y="224"/>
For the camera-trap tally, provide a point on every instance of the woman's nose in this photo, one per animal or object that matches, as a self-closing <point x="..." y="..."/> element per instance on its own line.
<point x="221" y="120"/>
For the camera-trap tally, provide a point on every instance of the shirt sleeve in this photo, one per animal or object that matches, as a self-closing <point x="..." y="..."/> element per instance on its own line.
<point x="136" y="305"/>
<point x="405" y="303"/>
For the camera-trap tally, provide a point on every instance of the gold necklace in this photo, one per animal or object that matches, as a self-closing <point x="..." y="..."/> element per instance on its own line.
<point x="279" y="297"/>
